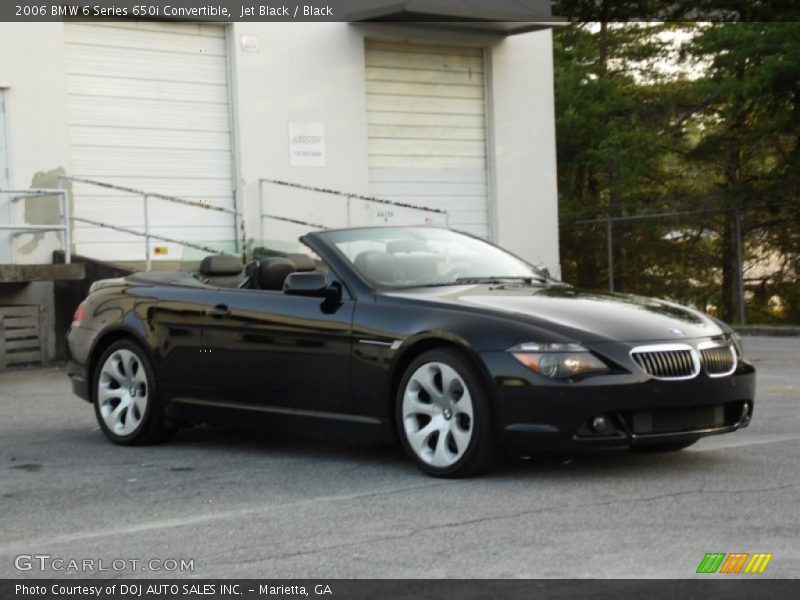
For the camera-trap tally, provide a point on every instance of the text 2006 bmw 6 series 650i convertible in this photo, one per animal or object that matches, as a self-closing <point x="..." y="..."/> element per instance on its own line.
<point x="442" y="341"/>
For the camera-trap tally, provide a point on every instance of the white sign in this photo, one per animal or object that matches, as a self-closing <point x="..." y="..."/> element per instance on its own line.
<point x="249" y="43"/>
<point x="306" y="144"/>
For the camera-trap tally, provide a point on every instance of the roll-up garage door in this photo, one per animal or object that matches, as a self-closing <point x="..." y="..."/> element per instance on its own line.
<point x="427" y="129"/>
<point x="149" y="109"/>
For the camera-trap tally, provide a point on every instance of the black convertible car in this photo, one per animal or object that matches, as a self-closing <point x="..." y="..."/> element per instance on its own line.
<point x="438" y="339"/>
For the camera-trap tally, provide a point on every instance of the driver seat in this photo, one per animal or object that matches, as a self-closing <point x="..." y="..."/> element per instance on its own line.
<point x="272" y="272"/>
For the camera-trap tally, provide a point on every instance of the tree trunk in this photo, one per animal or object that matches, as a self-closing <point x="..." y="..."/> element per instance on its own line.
<point x="730" y="270"/>
<point x="731" y="267"/>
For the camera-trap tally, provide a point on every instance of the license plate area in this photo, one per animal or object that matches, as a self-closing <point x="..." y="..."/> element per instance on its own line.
<point x="677" y="420"/>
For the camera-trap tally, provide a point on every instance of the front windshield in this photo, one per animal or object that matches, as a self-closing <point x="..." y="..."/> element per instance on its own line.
<point x="425" y="256"/>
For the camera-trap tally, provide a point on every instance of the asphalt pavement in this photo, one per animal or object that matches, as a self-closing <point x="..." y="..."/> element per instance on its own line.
<point x="248" y="504"/>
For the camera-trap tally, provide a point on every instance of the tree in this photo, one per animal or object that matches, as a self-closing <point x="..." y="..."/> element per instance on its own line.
<point x="613" y="135"/>
<point x="722" y="143"/>
<point x="749" y="141"/>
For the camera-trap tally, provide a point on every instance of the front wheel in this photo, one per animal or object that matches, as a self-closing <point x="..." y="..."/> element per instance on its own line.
<point x="443" y="416"/>
<point x="125" y="397"/>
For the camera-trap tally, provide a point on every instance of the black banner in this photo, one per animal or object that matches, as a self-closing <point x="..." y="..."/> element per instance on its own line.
<point x="536" y="11"/>
<point x="404" y="589"/>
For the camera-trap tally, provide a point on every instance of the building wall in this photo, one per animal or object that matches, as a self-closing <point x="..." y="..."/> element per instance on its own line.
<point x="32" y="73"/>
<point x="524" y="148"/>
<point x="308" y="72"/>
<point x="323" y="65"/>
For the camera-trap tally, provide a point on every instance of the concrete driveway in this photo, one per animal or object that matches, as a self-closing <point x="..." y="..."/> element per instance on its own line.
<point x="245" y="504"/>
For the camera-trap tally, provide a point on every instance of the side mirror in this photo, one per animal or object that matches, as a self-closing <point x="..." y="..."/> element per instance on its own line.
<point x="309" y="284"/>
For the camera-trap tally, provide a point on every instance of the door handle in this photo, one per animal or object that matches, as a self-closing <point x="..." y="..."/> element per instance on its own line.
<point x="220" y="311"/>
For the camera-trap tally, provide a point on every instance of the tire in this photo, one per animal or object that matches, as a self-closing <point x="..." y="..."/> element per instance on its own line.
<point x="125" y="397"/>
<point x="659" y="448"/>
<point x="443" y="416"/>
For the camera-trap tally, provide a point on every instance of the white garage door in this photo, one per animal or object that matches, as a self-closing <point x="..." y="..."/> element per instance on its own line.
<point x="427" y="129"/>
<point x="149" y="109"/>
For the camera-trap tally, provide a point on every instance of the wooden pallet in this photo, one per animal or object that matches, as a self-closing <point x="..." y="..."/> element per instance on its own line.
<point x="20" y="336"/>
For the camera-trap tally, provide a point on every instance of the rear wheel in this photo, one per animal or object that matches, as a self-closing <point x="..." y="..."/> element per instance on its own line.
<point x="443" y="416"/>
<point x="658" y="448"/>
<point x="125" y="397"/>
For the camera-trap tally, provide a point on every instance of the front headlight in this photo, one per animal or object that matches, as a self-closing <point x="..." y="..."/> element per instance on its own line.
<point x="558" y="361"/>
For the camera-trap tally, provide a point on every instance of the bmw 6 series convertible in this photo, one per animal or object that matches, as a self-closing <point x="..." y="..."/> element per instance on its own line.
<point x="441" y="341"/>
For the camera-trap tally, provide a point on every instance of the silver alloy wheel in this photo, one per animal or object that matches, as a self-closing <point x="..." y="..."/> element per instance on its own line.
<point x="122" y="392"/>
<point x="437" y="414"/>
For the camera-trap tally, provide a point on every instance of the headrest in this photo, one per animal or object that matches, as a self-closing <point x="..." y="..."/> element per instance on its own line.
<point x="302" y="262"/>
<point x="378" y="266"/>
<point x="220" y="264"/>
<point x="272" y="272"/>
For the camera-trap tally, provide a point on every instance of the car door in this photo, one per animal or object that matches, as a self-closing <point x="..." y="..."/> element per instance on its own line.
<point x="280" y="352"/>
<point x="176" y="317"/>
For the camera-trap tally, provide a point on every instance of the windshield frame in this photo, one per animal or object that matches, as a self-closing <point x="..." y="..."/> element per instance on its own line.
<point x="540" y="275"/>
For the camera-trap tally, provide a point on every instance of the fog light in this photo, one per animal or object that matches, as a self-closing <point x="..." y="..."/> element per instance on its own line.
<point x="599" y="424"/>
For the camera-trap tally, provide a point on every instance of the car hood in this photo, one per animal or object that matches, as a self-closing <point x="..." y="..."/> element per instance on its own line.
<point x="582" y="315"/>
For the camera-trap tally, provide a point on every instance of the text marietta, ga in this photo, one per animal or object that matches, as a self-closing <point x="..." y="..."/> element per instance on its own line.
<point x="160" y="590"/>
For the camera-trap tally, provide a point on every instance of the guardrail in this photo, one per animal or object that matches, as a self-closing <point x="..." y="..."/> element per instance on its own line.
<point x="348" y="196"/>
<point x="64" y="216"/>
<point x="146" y="197"/>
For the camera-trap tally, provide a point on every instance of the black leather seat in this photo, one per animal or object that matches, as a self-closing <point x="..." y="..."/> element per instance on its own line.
<point x="272" y="272"/>
<point x="221" y="270"/>
<point x="250" y="280"/>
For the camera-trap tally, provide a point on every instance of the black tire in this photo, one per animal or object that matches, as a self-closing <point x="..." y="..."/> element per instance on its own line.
<point x="151" y="427"/>
<point x="481" y="451"/>
<point x="661" y="448"/>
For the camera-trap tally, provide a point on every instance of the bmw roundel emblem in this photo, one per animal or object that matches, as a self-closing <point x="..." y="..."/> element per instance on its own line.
<point x="678" y="332"/>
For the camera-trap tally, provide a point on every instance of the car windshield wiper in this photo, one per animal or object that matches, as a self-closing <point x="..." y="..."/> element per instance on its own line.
<point x="501" y="279"/>
<point x="469" y="280"/>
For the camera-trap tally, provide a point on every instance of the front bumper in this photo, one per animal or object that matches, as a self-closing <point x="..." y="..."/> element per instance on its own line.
<point x="535" y="413"/>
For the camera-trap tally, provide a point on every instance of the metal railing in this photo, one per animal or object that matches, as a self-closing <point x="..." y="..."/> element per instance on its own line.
<point x="348" y="196"/>
<point x="64" y="217"/>
<point x="146" y="197"/>
<point x="67" y="220"/>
